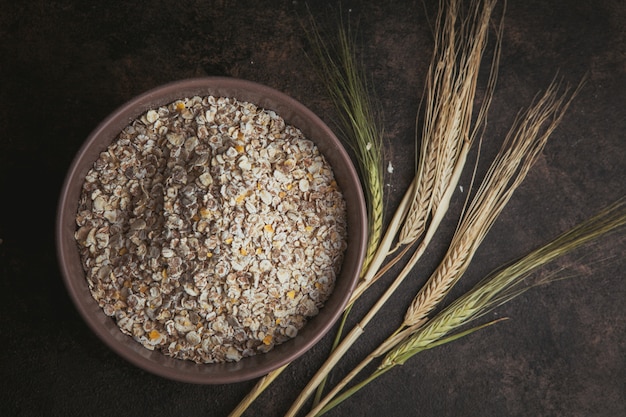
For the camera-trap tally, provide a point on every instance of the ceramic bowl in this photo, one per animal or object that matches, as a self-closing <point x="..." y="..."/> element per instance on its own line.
<point x="106" y="329"/>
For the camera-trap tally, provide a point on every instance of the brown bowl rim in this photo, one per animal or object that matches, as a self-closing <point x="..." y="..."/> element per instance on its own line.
<point x="248" y="368"/>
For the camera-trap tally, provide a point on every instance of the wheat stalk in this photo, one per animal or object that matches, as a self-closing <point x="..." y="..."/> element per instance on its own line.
<point x="496" y="289"/>
<point x="480" y="19"/>
<point x="259" y="387"/>
<point x="522" y="146"/>
<point x="361" y="126"/>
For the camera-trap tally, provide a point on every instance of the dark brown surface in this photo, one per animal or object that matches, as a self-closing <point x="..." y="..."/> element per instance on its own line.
<point x="65" y="65"/>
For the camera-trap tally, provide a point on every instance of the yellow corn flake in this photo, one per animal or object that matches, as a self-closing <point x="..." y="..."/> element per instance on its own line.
<point x="229" y="240"/>
<point x="291" y="294"/>
<point x="240" y="198"/>
<point x="123" y="251"/>
<point x="259" y="251"/>
<point x="195" y="218"/>
<point x="239" y="148"/>
<point x="204" y="212"/>
<point x="289" y="186"/>
<point x="180" y="106"/>
<point x="281" y="194"/>
<point x="164" y="273"/>
<point x="269" y="228"/>
<point x="209" y="254"/>
<point x="318" y="285"/>
<point x="279" y="320"/>
<point x="154" y="334"/>
<point x="308" y="228"/>
<point x="267" y="340"/>
<point x="243" y="251"/>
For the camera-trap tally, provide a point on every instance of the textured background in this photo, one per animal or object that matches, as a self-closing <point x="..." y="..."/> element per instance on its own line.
<point x="65" y="65"/>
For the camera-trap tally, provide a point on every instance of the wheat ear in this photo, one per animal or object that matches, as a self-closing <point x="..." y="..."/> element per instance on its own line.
<point x="450" y="90"/>
<point x="523" y="145"/>
<point x="447" y="134"/>
<point x="360" y="119"/>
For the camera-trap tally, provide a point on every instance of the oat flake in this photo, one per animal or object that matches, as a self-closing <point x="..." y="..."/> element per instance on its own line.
<point x="211" y="230"/>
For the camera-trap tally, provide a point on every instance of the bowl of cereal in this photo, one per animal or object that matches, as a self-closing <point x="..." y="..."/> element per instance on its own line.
<point x="211" y="230"/>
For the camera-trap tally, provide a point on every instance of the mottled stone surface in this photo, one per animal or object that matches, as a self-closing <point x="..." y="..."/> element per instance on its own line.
<point x="65" y="65"/>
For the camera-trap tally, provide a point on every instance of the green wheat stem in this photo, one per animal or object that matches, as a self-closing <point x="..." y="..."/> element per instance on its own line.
<point x="359" y="120"/>
<point x="359" y="124"/>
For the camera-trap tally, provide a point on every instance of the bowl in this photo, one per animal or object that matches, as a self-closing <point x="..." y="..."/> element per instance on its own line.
<point x="153" y="361"/>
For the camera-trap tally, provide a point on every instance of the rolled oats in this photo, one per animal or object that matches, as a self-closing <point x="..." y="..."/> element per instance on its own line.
<point x="211" y="230"/>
